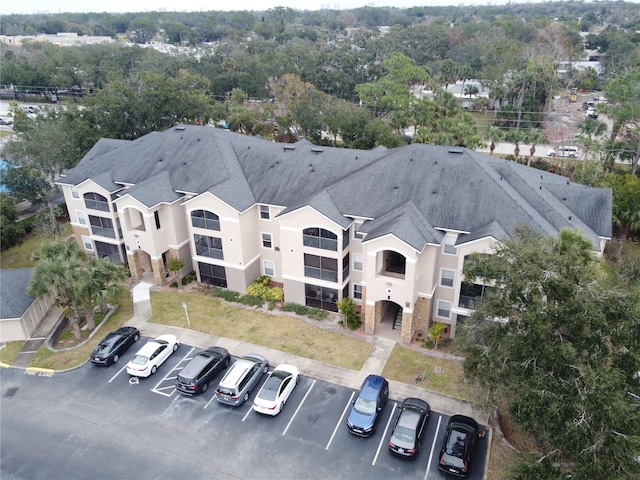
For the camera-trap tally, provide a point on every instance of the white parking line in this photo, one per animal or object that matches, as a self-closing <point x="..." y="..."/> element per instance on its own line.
<point x="172" y="386"/>
<point x="384" y="435"/>
<point x="118" y="373"/>
<point x="340" y="421"/>
<point x="433" y="446"/>
<point x="209" y="402"/>
<point x="296" y="412"/>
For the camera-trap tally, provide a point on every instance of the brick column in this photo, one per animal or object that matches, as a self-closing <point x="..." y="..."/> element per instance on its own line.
<point x="158" y="271"/>
<point x="370" y="319"/>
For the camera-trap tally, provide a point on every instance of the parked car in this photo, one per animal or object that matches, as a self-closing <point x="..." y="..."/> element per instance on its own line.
<point x="194" y="378"/>
<point x="6" y="121"/>
<point x="458" y="445"/>
<point x="407" y="432"/>
<point x="276" y="390"/>
<point x="113" y="345"/>
<point x="240" y="379"/>
<point x="571" y="152"/>
<point x="367" y="408"/>
<point x="152" y="355"/>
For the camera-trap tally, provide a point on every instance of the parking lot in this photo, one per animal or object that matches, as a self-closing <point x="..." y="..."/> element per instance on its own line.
<point x="145" y="428"/>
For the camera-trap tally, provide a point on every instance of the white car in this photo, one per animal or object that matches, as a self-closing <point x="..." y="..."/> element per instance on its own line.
<point x="276" y="390"/>
<point x="152" y="355"/>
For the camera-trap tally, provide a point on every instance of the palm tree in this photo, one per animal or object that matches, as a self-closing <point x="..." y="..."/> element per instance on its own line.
<point x="494" y="134"/>
<point x="516" y="137"/>
<point x="535" y="137"/>
<point x="588" y="133"/>
<point x="76" y="282"/>
<point x="471" y="90"/>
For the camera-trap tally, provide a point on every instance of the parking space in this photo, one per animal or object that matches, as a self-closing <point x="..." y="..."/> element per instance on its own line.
<point x="311" y="427"/>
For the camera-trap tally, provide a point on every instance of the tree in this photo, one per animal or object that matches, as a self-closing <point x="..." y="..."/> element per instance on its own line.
<point x="626" y="206"/>
<point x="175" y="265"/>
<point x="10" y="230"/>
<point x="588" y="133"/>
<point x="448" y="72"/>
<point x="494" y="134"/>
<point x="471" y="90"/>
<point x="623" y="107"/>
<point x="535" y="137"/>
<point x="436" y="331"/>
<point x="565" y="354"/>
<point x="76" y="282"/>
<point x="516" y="137"/>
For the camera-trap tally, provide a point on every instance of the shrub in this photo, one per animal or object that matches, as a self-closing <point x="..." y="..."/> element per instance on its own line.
<point x="348" y="308"/>
<point x="251" y="300"/>
<point x="260" y="288"/>
<point x="313" y="313"/>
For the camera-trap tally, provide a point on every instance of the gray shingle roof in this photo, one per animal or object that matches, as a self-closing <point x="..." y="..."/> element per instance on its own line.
<point x="427" y="187"/>
<point x="14" y="300"/>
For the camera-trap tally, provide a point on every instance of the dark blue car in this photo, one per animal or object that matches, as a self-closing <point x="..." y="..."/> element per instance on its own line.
<point x="367" y="407"/>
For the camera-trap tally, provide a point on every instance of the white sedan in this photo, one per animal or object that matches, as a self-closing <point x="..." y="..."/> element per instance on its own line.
<point x="276" y="390"/>
<point x="152" y="355"/>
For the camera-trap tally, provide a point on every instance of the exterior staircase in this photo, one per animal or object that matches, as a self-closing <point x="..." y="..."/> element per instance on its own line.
<point x="397" y="321"/>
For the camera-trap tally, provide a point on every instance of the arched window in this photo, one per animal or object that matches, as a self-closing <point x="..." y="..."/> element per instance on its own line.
<point x="95" y="201"/>
<point x="205" y="219"/>
<point x="320" y="238"/>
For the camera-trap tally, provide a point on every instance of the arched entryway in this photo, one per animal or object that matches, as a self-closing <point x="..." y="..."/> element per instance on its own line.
<point x="389" y="320"/>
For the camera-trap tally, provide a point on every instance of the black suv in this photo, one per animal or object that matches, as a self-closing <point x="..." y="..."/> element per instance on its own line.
<point x="458" y="445"/>
<point x="194" y="378"/>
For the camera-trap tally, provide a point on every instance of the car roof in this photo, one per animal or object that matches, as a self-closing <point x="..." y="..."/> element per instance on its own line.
<point x="196" y="364"/>
<point x="409" y="418"/>
<point x="371" y="386"/>
<point x="148" y="348"/>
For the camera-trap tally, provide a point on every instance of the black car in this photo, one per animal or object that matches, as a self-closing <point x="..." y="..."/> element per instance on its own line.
<point x="194" y="378"/>
<point x="113" y="345"/>
<point x="406" y="436"/>
<point x="458" y="445"/>
<point x="367" y="407"/>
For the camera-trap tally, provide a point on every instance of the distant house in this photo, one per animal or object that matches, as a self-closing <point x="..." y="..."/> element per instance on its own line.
<point x="388" y="228"/>
<point x="20" y="314"/>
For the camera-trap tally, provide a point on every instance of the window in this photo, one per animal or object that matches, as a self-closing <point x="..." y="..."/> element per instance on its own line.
<point x="102" y="226"/>
<point x="357" y="291"/>
<point x="320" y="238"/>
<point x="267" y="241"/>
<point x="208" y="246"/>
<point x="87" y="243"/>
<point x="345" y="267"/>
<point x="205" y="219"/>
<point x="357" y="261"/>
<point x="345" y="239"/>
<point x="321" y="267"/>
<point x="444" y="309"/>
<point x="75" y="193"/>
<point x="108" y="251"/>
<point x="356" y="234"/>
<point x="447" y="277"/>
<point x="321" y="297"/>
<point x="82" y="218"/>
<point x="264" y="212"/>
<point x="269" y="268"/>
<point x="95" y="201"/>
<point x="156" y="216"/>
<point x="450" y="245"/>
<point x="212" y="275"/>
<point x="393" y="264"/>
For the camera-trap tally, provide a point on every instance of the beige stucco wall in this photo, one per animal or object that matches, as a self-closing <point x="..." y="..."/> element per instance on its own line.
<point x="21" y="328"/>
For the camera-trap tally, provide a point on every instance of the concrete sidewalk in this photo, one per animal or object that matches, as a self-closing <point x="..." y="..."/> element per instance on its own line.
<point x="36" y="340"/>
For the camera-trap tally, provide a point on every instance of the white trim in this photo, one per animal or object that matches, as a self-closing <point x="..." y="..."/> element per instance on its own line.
<point x="84" y="217"/>
<point x="75" y="191"/>
<point x="445" y="244"/>
<point x="87" y="239"/>
<point x="438" y="309"/>
<point x="270" y="240"/>
<point x="354" y="261"/>
<point x="268" y="211"/>
<point x="264" y="268"/>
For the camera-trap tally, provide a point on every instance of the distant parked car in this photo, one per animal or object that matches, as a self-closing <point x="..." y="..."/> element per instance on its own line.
<point x="407" y="432"/>
<point x="240" y="379"/>
<point x="458" y="445"/>
<point x="152" y="355"/>
<point x="276" y="390"/>
<point x="367" y="407"/>
<point x="6" y="121"/>
<point x="113" y="345"/>
<point x="194" y="378"/>
<point x="571" y="152"/>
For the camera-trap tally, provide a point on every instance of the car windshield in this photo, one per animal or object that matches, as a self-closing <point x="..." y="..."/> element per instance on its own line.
<point x="103" y="348"/>
<point x="270" y="389"/>
<point x="139" y="359"/>
<point x="364" y="406"/>
<point x="404" y="434"/>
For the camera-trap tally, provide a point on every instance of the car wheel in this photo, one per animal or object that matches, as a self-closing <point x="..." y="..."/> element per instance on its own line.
<point x="136" y="337"/>
<point x="246" y="397"/>
<point x="175" y="347"/>
<point x="115" y="358"/>
<point x="280" y="407"/>
<point x="204" y="387"/>
<point x="265" y="369"/>
<point x="153" y="369"/>
<point x="552" y="154"/>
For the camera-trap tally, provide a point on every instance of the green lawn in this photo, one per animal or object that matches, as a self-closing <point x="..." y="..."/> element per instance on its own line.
<point x="20" y="255"/>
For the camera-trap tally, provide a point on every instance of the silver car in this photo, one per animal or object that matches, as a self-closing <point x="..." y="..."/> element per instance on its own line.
<point x="240" y="379"/>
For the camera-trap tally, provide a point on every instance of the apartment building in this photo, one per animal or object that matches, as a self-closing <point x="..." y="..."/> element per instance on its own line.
<point x="388" y="228"/>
